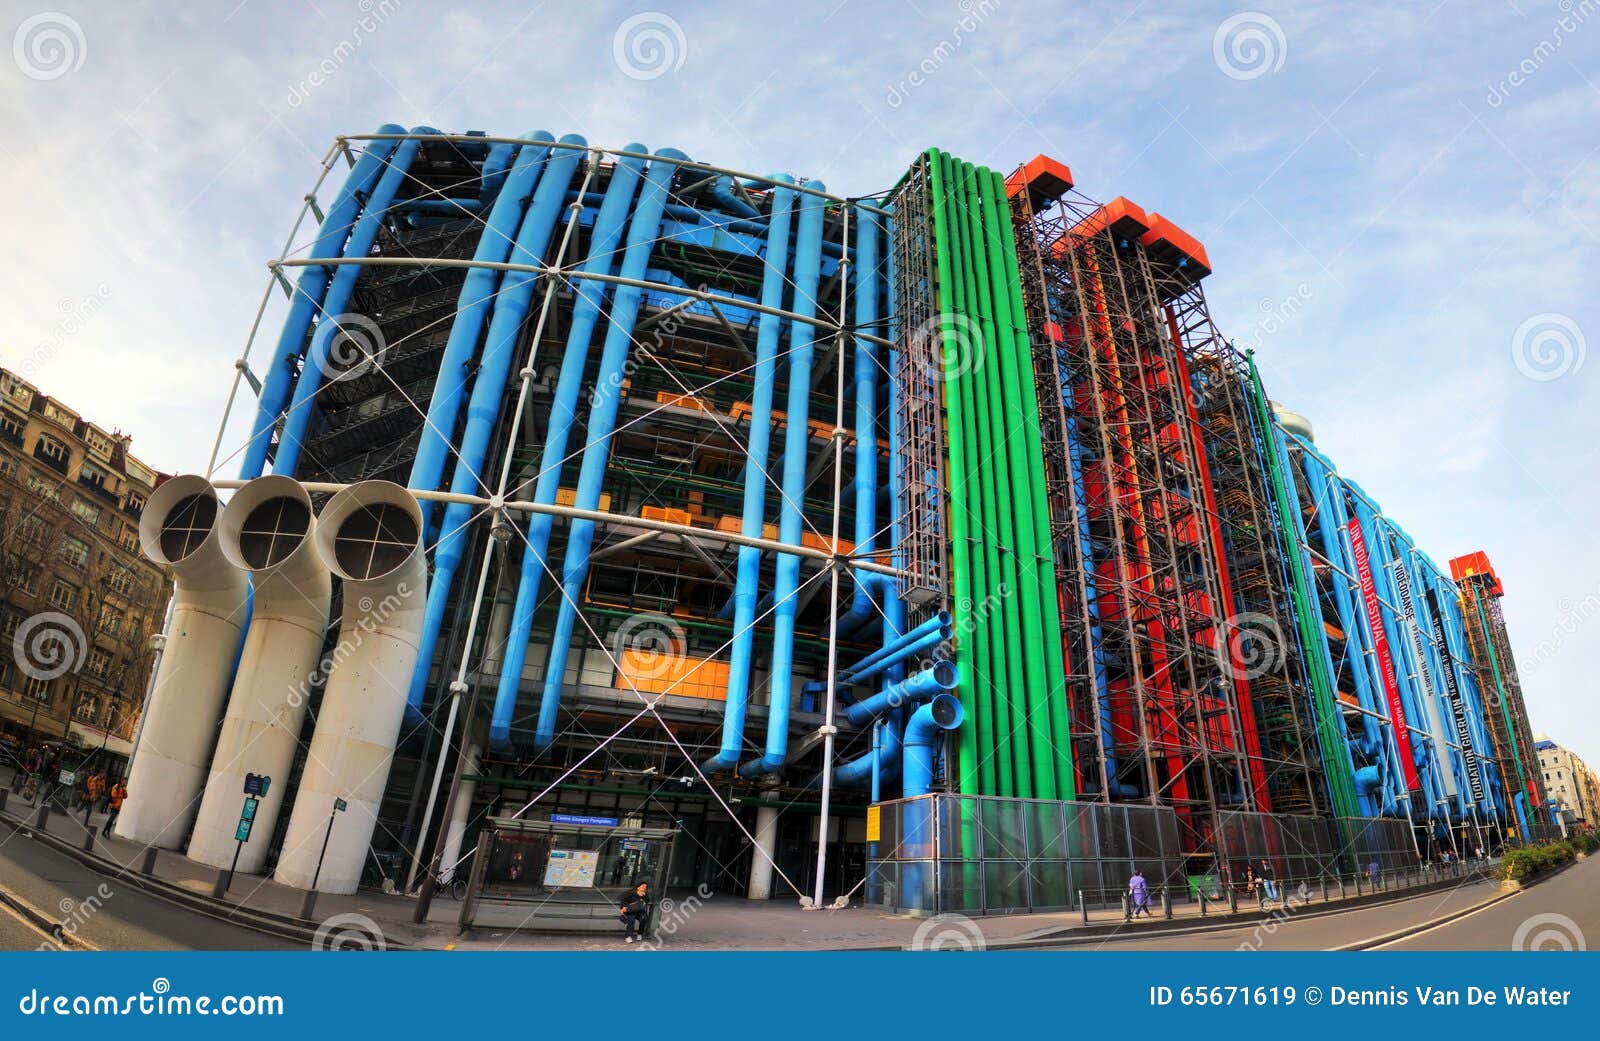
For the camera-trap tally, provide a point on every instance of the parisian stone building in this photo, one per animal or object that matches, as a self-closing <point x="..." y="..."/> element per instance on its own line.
<point x="78" y="602"/>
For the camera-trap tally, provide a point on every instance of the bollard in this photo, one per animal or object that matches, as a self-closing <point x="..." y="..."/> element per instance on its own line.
<point x="1357" y="877"/>
<point x="1127" y="908"/>
<point x="1083" y="905"/>
<point x="308" y="905"/>
<point x="1202" y="903"/>
<point x="219" y="889"/>
<point x="42" y="818"/>
<point x="1233" y="900"/>
<point x="3" y="793"/>
<point x="1324" y="888"/>
<point x="1166" y="903"/>
<point x="148" y="866"/>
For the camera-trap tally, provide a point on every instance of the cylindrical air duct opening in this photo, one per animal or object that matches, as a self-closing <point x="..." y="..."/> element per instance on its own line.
<point x="178" y="529"/>
<point x="265" y="530"/>
<point x="369" y="535"/>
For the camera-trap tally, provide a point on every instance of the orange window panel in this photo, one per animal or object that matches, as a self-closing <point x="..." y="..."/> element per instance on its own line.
<point x="651" y="672"/>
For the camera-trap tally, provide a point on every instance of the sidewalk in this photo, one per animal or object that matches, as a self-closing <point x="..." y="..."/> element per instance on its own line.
<point x="713" y="923"/>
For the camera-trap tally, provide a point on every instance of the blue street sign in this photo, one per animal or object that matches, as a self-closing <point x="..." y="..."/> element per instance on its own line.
<point x="574" y="818"/>
<point x="249" y="811"/>
<point x="256" y="784"/>
<point x="243" y="834"/>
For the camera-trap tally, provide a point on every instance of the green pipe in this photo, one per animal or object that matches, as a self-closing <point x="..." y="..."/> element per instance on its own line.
<point x="1500" y="688"/>
<point x="1330" y="724"/>
<point x="1011" y="497"/>
<point x="1035" y="565"/>
<point x="971" y="778"/>
<point x="1009" y="681"/>
<point x="991" y="671"/>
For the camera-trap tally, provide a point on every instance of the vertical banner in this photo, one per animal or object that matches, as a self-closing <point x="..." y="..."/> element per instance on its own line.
<point x="1430" y="703"/>
<point x="1458" y="709"/>
<point x="1380" y="645"/>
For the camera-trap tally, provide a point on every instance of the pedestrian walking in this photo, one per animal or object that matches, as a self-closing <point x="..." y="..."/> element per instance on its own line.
<point x="119" y="792"/>
<point x="1139" y="890"/>
<point x="1372" y="871"/>
<point x="94" y="787"/>
<point x="635" y="912"/>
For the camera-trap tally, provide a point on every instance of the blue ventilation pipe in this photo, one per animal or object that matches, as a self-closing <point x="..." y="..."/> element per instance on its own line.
<point x="865" y="264"/>
<point x="604" y="240"/>
<point x="774" y="280"/>
<point x="497" y="166"/>
<point x="907" y="650"/>
<point x="940" y="625"/>
<point x="728" y="199"/>
<point x="884" y="759"/>
<point x="307" y="298"/>
<point x="919" y="687"/>
<point x="483" y="407"/>
<point x="797" y="434"/>
<point x="476" y="302"/>
<point x="643" y="233"/>
<point x="337" y="302"/>
<point x="927" y="723"/>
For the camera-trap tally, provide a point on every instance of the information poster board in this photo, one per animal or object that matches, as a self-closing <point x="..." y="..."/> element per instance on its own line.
<point x="571" y="867"/>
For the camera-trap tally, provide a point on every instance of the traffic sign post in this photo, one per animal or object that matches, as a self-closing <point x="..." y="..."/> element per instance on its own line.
<point x="255" y="786"/>
<point x="310" y="902"/>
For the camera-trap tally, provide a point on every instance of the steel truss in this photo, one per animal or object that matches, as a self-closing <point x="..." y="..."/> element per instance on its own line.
<point x="1175" y="733"/>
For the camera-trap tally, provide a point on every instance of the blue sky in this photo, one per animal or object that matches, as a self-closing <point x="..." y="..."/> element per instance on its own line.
<point x="1401" y="202"/>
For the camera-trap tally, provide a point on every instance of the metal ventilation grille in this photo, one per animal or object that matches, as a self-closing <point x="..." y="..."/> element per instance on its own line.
<point x="187" y="525"/>
<point x="272" y="531"/>
<point x="374" y="540"/>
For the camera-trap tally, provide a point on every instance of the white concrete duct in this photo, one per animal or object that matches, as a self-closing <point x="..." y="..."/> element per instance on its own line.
<point x="370" y="535"/>
<point x="178" y="530"/>
<point x="265" y="530"/>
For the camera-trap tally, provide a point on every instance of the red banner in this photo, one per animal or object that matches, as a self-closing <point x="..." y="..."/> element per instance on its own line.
<point x="1380" y="646"/>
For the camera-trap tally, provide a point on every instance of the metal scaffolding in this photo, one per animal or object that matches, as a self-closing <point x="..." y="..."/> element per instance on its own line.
<point x="1169" y="724"/>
